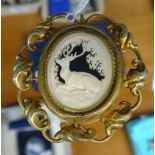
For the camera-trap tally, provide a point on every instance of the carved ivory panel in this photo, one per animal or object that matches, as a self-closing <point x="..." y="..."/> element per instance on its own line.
<point x="79" y="70"/>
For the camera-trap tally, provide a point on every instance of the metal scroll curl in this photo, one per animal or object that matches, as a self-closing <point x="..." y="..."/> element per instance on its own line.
<point x="42" y="32"/>
<point x="38" y="117"/>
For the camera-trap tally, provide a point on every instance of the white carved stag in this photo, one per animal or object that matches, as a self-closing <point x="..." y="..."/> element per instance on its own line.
<point x="76" y="81"/>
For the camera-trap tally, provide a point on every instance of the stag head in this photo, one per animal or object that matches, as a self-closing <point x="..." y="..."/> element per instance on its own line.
<point x="70" y="53"/>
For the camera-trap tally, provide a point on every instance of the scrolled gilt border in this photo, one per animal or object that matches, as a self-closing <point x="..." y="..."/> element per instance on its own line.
<point x="38" y="117"/>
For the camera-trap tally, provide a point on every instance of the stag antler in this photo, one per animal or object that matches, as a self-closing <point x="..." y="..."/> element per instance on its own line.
<point x="75" y="55"/>
<point x="67" y="51"/>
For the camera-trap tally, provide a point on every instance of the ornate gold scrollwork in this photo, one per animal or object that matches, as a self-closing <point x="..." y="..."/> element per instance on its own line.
<point x="135" y="79"/>
<point x="122" y="36"/>
<point x="118" y="118"/>
<point x="42" y="32"/>
<point x="136" y="76"/>
<point x="23" y="74"/>
<point x="73" y="132"/>
<point x="39" y="34"/>
<point x="38" y="117"/>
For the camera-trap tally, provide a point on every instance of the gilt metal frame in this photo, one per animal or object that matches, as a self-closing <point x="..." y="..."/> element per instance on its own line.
<point x="105" y="102"/>
<point x="73" y="129"/>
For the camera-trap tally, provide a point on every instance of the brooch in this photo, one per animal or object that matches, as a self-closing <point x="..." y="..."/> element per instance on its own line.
<point x="79" y="76"/>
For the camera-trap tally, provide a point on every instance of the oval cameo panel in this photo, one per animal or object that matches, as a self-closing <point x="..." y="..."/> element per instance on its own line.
<point x="79" y="69"/>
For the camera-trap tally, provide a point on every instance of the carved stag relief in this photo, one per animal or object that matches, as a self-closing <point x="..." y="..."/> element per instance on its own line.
<point x="79" y="71"/>
<point x="77" y="80"/>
